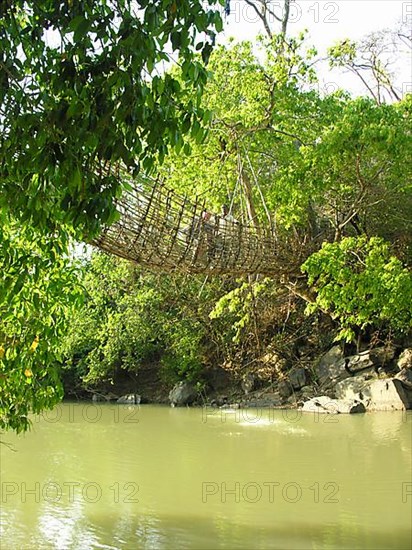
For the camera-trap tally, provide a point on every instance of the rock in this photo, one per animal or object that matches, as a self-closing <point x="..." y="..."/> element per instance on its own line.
<point x="183" y="393"/>
<point x="405" y="359"/>
<point x="266" y="400"/>
<point x="370" y="373"/>
<point x="307" y="392"/>
<point x="383" y="355"/>
<point x="331" y="357"/>
<point x="405" y="377"/>
<point x="129" y="399"/>
<point x="284" y="389"/>
<point x="333" y="374"/>
<point x="385" y="395"/>
<point x="377" y="395"/>
<point x="248" y="383"/>
<point x="221" y="400"/>
<point x="350" y="388"/>
<point x="350" y="407"/>
<point x="326" y="405"/>
<point x="298" y="378"/>
<point x="359" y="362"/>
<point x="332" y="367"/>
<point x="321" y="404"/>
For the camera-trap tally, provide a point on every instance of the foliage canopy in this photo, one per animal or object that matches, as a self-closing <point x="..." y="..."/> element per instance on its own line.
<point x="83" y="84"/>
<point x="87" y="84"/>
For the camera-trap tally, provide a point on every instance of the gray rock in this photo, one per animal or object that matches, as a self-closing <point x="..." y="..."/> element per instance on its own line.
<point x="284" y="389"/>
<point x="266" y="400"/>
<point x="383" y="355"/>
<point x="221" y="400"/>
<point x="129" y="399"/>
<point x="350" y="407"/>
<point x="321" y="404"/>
<point x="351" y="388"/>
<point x="307" y="392"/>
<point x="405" y="359"/>
<point x="298" y="378"/>
<point x="377" y="395"/>
<point x="405" y="376"/>
<point x="370" y="373"/>
<point x="332" y="367"/>
<point x="334" y="355"/>
<point x="326" y="405"/>
<point x="359" y="362"/>
<point x="183" y="393"/>
<point x="385" y="395"/>
<point x="334" y="373"/>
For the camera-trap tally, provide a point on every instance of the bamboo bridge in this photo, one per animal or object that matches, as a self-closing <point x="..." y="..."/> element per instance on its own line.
<point x="161" y="230"/>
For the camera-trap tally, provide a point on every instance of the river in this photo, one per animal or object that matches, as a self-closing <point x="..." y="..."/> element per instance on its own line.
<point x="152" y="477"/>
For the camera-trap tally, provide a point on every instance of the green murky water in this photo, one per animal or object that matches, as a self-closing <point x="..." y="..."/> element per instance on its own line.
<point x="119" y="477"/>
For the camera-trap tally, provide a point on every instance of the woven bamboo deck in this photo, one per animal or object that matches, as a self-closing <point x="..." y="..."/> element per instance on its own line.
<point x="161" y="230"/>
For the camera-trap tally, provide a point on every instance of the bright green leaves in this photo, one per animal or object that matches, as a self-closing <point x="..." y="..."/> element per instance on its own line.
<point x="83" y="86"/>
<point x="360" y="164"/>
<point x="95" y="91"/>
<point x="342" y="53"/>
<point x="238" y="305"/>
<point x="130" y="319"/>
<point x="38" y="292"/>
<point x="361" y="284"/>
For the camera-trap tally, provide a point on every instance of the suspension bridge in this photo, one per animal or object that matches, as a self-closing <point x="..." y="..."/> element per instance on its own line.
<point x="161" y="230"/>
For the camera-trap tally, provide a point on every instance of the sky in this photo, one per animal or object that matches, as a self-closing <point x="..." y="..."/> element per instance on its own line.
<point x="328" y="21"/>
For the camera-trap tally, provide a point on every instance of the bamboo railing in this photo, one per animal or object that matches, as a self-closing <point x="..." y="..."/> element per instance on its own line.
<point x="164" y="231"/>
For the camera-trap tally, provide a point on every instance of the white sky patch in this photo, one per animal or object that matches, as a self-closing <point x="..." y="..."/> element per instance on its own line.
<point x="328" y="22"/>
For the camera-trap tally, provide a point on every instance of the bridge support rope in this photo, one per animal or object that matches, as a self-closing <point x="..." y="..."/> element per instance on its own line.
<point x="163" y="231"/>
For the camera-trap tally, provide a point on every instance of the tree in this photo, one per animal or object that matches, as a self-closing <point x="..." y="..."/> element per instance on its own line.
<point x="83" y="86"/>
<point x="372" y="61"/>
<point x="362" y="285"/>
<point x="38" y="294"/>
<point x="259" y="116"/>
<point x="327" y="167"/>
<point x="131" y="319"/>
<point x="267" y="10"/>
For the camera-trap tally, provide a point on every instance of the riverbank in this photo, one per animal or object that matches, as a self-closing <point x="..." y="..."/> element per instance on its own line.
<point x="375" y="379"/>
